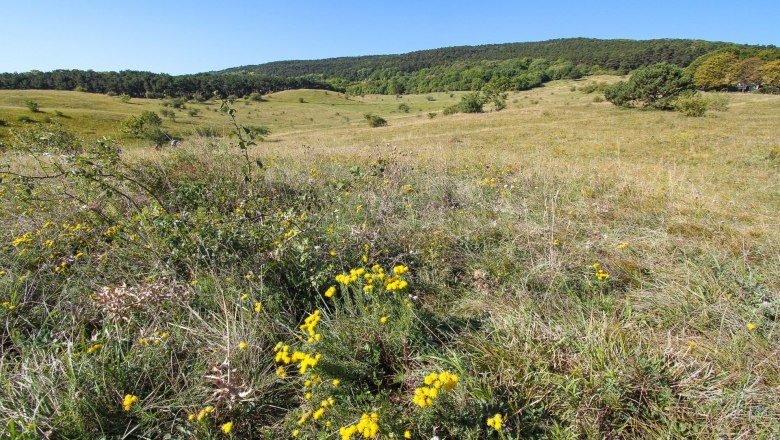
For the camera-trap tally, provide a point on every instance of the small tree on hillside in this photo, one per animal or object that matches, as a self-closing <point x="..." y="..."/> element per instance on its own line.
<point x="656" y="86"/>
<point x="472" y="103"/>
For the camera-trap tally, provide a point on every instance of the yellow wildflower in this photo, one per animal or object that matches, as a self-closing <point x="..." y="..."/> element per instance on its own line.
<point x="227" y="427"/>
<point x="258" y="307"/>
<point x="750" y="326"/>
<point x="129" y="401"/>
<point x="330" y="292"/>
<point x="496" y="422"/>
<point x="243" y="345"/>
<point x="383" y="320"/>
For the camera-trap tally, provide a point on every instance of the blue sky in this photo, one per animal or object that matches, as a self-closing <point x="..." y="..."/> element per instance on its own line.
<point x="187" y="37"/>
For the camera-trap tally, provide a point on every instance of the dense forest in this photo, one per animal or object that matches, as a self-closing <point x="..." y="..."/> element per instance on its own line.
<point x="614" y="55"/>
<point x="512" y="66"/>
<point x="155" y="85"/>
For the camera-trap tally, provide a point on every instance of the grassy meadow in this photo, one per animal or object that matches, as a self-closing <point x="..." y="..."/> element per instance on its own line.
<point x="581" y="270"/>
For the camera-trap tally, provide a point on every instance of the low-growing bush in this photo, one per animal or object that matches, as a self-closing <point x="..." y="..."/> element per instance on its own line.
<point x="25" y="118"/>
<point x="404" y="107"/>
<point x="451" y="110"/>
<point x="175" y="103"/>
<point x="48" y="138"/>
<point x="472" y="103"/>
<point x="692" y="105"/>
<point x="32" y="106"/>
<point x="375" y="120"/>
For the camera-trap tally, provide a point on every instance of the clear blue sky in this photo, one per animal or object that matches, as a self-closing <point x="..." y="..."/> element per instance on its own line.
<point x="188" y="37"/>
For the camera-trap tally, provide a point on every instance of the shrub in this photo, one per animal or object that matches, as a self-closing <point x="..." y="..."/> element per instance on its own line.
<point x="32" y="106"/>
<point x="692" y="105"/>
<point x="147" y="125"/>
<point x="451" y="110"/>
<point x="656" y="86"/>
<point x="404" y="108"/>
<point x="175" y="103"/>
<point x="51" y="138"/>
<point x="301" y="100"/>
<point x="25" y="118"/>
<point x="193" y="112"/>
<point x="258" y="132"/>
<point x="431" y="115"/>
<point x="124" y="97"/>
<point x="170" y="114"/>
<point x="598" y="98"/>
<point x="257" y="97"/>
<point x="718" y="102"/>
<point x="430" y="98"/>
<point x="375" y="120"/>
<point x="472" y="103"/>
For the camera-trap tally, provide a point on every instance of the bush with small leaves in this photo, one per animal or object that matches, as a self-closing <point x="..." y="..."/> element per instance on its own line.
<point x="404" y="107"/>
<point x="32" y="106"/>
<point x="692" y="105"/>
<point x="124" y="97"/>
<point x="375" y="120"/>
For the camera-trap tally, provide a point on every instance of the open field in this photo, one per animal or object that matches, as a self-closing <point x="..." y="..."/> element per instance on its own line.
<point x="585" y="271"/>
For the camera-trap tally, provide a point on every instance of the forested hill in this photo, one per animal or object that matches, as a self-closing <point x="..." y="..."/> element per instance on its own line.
<point x="618" y="55"/>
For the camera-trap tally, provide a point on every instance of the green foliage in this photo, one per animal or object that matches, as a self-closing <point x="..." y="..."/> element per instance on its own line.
<point x="375" y="120"/>
<point x="656" y="86"/>
<point x="193" y="112"/>
<point x="170" y="114"/>
<point x="48" y="138"/>
<point x="404" y="107"/>
<point x="25" y="118"/>
<point x="472" y="103"/>
<point x="124" y="97"/>
<point x="451" y="110"/>
<point x="179" y="103"/>
<point x="147" y="125"/>
<point x="32" y="106"/>
<point x="691" y="105"/>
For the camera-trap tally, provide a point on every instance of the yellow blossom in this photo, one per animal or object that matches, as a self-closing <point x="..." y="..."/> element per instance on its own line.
<point x="330" y="292"/>
<point x="227" y="427"/>
<point x="243" y="345"/>
<point x="258" y="307"/>
<point x="496" y="422"/>
<point x="129" y="401"/>
<point x="750" y="326"/>
<point x="383" y="320"/>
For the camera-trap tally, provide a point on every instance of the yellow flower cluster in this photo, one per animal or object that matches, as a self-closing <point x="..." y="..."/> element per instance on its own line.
<point x="424" y="396"/>
<point x="496" y="422"/>
<point x="227" y="427"/>
<point x="129" y="401"/>
<point x="368" y="427"/>
<point x="330" y="292"/>
<point x="347" y="279"/>
<point x="304" y="360"/>
<point x="395" y="283"/>
<point x="601" y="274"/>
<point x="94" y="348"/>
<point x="154" y="340"/>
<point x="8" y="305"/>
<point x="201" y="414"/>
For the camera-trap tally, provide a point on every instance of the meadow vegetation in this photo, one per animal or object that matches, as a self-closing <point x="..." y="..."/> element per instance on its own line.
<point x="563" y="268"/>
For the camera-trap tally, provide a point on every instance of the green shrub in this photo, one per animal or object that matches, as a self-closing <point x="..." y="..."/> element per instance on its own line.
<point x="431" y="115"/>
<point x="598" y="98"/>
<point x="693" y="105"/>
<point x="301" y="100"/>
<point x="170" y="114"/>
<point x="25" y="118"/>
<point x="718" y="102"/>
<point x="472" y="103"/>
<point x="375" y="120"/>
<point x="49" y="138"/>
<point x="32" y="106"/>
<point x="451" y="110"/>
<point x="124" y="97"/>
<point x="257" y="97"/>
<point x="175" y="103"/>
<point x="147" y="125"/>
<point x="656" y="86"/>
<point x="404" y="107"/>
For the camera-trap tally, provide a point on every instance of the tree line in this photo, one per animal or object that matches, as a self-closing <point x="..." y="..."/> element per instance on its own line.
<point x="614" y="55"/>
<point x="738" y="69"/>
<point x="156" y="85"/>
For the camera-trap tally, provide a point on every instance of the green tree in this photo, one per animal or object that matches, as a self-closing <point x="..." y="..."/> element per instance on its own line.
<point x="147" y="125"/>
<point x="656" y="86"/>
<point x="472" y="103"/>
<point x="718" y="71"/>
